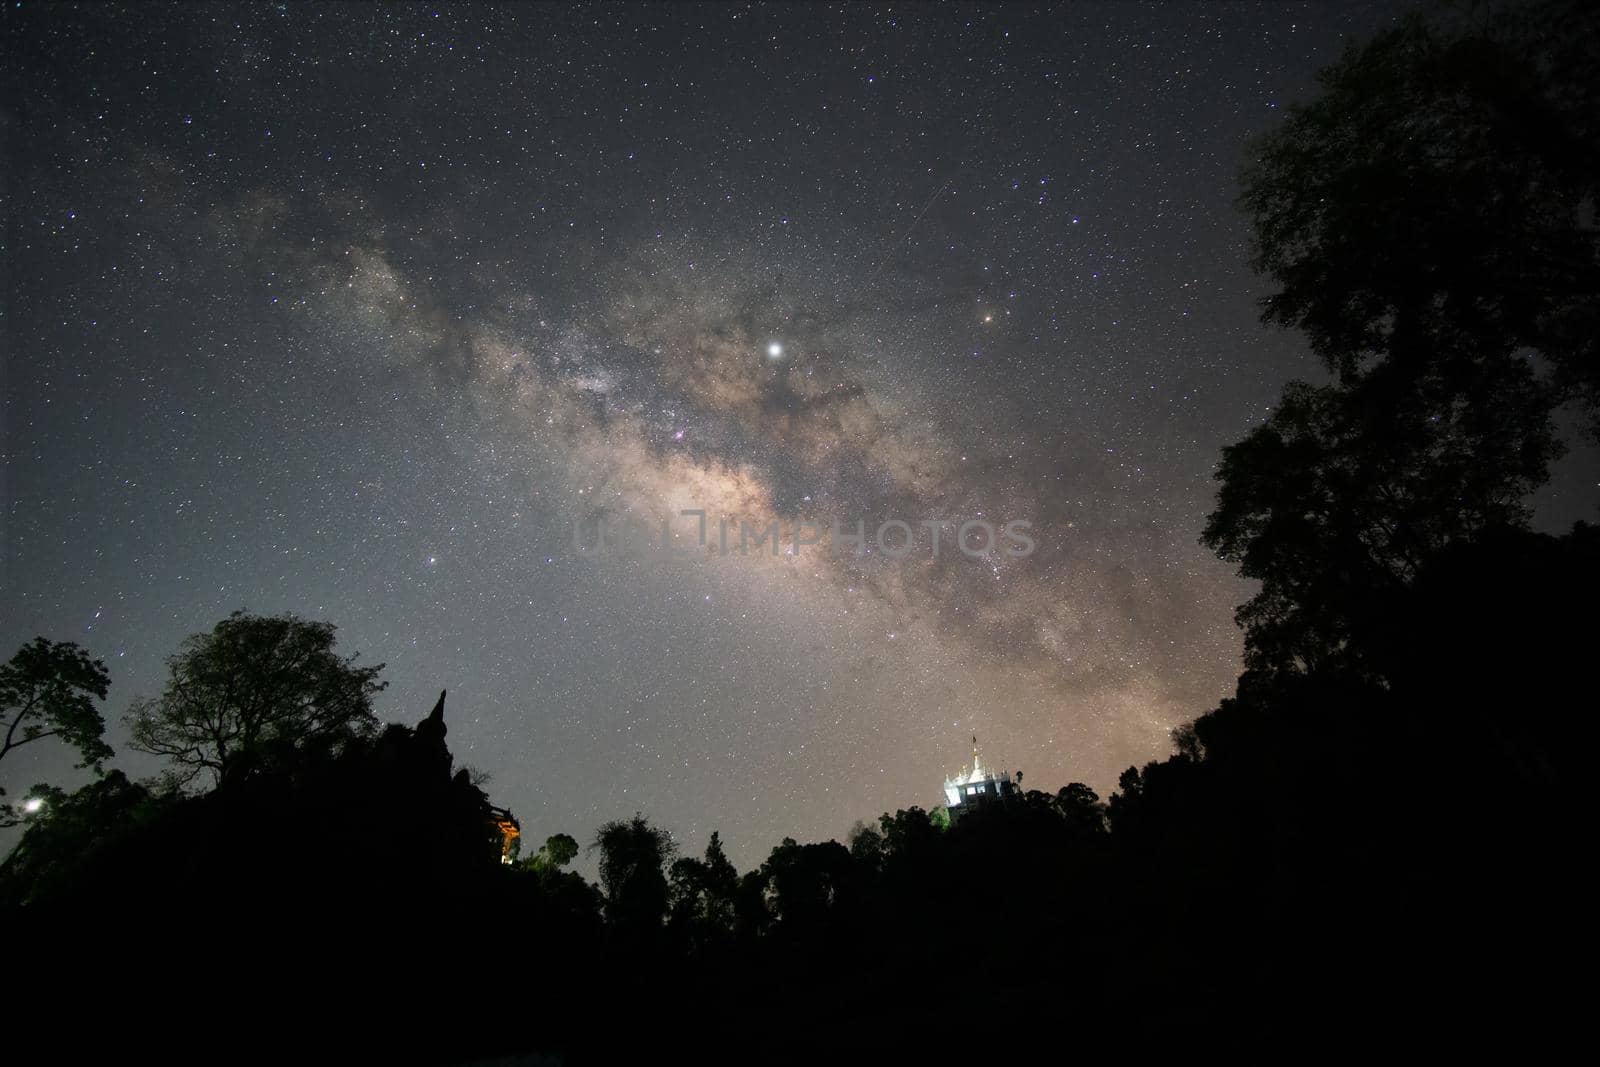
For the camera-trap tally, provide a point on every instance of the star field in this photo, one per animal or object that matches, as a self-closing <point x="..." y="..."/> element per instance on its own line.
<point x="351" y="311"/>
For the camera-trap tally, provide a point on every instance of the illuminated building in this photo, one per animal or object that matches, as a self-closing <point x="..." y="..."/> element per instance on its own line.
<point x="510" y="832"/>
<point x="976" y="786"/>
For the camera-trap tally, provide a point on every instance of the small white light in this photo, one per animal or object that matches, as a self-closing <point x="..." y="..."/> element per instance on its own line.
<point x="775" y="350"/>
<point x="32" y="805"/>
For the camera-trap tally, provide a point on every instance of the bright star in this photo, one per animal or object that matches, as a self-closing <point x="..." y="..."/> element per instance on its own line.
<point x="775" y="350"/>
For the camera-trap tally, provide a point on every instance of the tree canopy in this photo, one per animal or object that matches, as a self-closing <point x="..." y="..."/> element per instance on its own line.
<point x="1429" y="223"/>
<point x="1438" y="196"/>
<point x="633" y="855"/>
<point x="251" y="691"/>
<point x="1336" y="500"/>
<point x="48" y="689"/>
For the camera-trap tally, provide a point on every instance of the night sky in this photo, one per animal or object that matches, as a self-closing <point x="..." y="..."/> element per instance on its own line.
<point x="352" y="311"/>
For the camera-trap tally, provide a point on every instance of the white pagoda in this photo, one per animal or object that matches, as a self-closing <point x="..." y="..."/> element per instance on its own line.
<point x="976" y="786"/>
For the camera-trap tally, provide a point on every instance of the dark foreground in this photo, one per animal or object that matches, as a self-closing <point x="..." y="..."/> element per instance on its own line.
<point x="1326" y="860"/>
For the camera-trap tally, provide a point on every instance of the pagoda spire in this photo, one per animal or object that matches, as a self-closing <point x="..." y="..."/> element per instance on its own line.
<point x="433" y="727"/>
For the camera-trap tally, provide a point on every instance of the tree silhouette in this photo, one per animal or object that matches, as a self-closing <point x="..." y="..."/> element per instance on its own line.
<point x="557" y="851"/>
<point x="866" y="845"/>
<point x="1437" y="197"/>
<point x="704" y="895"/>
<point x="633" y="855"/>
<point x="48" y="689"/>
<point x="806" y="882"/>
<point x="1428" y="220"/>
<point x="68" y="831"/>
<point x="250" y="693"/>
<point x="1337" y="499"/>
<point x="1080" y="806"/>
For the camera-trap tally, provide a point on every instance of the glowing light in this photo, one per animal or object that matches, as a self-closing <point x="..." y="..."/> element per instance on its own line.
<point x="33" y="805"/>
<point x="775" y="349"/>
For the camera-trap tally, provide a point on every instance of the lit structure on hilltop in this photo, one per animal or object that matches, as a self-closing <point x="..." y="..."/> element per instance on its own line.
<point x="510" y="831"/>
<point x="977" y="786"/>
<point x="433" y="756"/>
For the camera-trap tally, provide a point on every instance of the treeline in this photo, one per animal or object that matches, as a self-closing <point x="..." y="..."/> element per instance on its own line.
<point x="1320" y="848"/>
<point x="1323" y="846"/>
<point x="1376" y="837"/>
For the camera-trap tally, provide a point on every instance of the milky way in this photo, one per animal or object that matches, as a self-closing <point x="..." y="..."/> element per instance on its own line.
<point x="354" y="311"/>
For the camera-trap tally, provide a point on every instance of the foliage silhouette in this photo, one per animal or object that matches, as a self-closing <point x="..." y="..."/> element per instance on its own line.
<point x="249" y="693"/>
<point x="1336" y="500"/>
<point x="704" y="896"/>
<point x="633" y="855"/>
<point x="1435" y="201"/>
<point x="557" y="851"/>
<point x="48" y="689"/>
